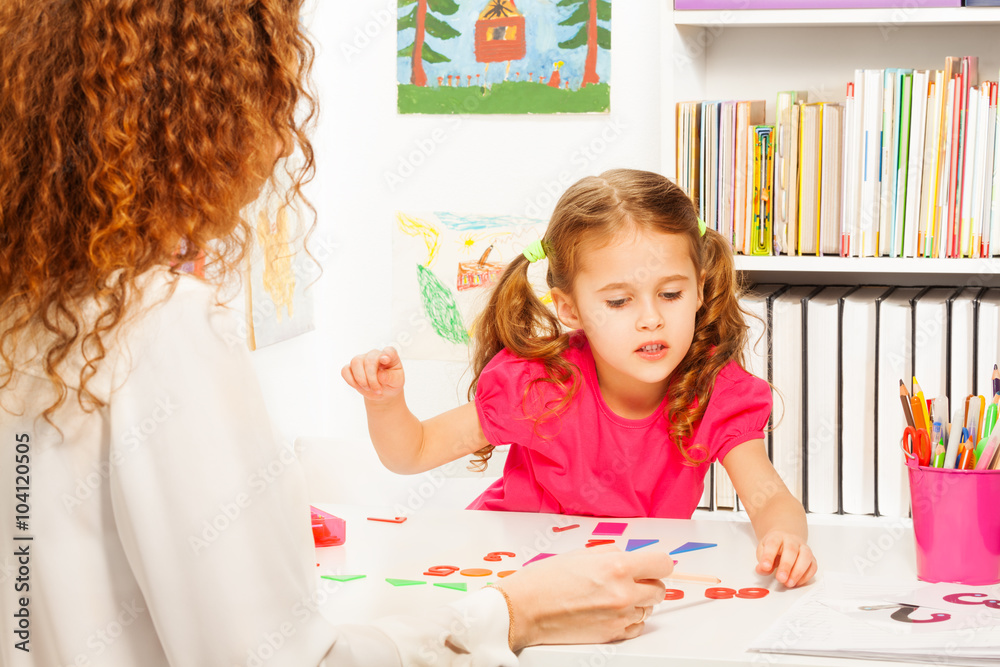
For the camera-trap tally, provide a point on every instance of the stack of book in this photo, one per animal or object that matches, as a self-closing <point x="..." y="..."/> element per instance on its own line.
<point x="835" y="356"/>
<point x="906" y="166"/>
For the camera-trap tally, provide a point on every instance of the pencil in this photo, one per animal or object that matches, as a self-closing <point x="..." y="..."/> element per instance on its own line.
<point x="996" y="380"/>
<point x="919" y="394"/>
<point x="701" y="578"/>
<point x="904" y="398"/>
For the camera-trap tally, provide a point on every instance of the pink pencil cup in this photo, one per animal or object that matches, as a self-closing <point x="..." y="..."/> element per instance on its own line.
<point x="956" y="523"/>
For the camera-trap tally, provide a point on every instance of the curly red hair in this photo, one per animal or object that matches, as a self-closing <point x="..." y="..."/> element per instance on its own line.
<point x="129" y="129"/>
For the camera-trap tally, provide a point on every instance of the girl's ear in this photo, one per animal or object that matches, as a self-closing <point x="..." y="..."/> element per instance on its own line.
<point x="565" y="309"/>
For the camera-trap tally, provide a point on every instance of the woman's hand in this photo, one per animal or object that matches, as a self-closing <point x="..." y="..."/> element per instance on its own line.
<point x="377" y="375"/>
<point x="593" y="595"/>
<point x="788" y="556"/>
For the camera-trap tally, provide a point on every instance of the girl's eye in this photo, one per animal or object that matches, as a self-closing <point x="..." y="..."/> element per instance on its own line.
<point x="670" y="296"/>
<point x="616" y="303"/>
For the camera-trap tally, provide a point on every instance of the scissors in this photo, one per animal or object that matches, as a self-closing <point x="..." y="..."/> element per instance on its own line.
<point x="917" y="445"/>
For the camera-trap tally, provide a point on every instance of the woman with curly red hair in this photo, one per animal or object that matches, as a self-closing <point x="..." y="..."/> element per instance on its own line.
<point x="132" y="135"/>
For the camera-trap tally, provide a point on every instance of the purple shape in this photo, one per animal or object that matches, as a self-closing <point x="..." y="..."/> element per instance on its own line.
<point x="609" y="528"/>
<point x="692" y="546"/>
<point x="638" y="544"/>
<point x="538" y="557"/>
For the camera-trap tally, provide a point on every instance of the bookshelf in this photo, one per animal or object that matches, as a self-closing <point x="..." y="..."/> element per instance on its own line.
<point x="754" y="54"/>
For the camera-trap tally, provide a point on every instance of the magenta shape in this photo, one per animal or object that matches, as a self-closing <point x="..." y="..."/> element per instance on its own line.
<point x="610" y="528"/>
<point x="538" y="557"/>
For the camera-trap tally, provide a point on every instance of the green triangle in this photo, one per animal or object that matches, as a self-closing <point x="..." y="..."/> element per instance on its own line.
<point x="343" y="577"/>
<point x="405" y="582"/>
<point x="458" y="586"/>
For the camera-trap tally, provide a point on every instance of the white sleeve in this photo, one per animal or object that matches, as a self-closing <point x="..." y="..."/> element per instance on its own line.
<point x="213" y="516"/>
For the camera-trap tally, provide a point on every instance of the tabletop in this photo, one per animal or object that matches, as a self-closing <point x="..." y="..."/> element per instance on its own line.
<point x="694" y="630"/>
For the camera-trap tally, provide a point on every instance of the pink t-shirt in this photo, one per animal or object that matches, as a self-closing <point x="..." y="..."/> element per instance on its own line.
<point x="590" y="461"/>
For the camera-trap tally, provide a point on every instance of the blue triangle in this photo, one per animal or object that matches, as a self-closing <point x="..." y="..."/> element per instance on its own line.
<point x="638" y="544"/>
<point x="692" y="546"/>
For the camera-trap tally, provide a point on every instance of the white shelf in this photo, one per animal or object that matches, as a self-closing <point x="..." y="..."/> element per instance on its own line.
<point x="890" y="17"/>
<point x="829" y="270"/>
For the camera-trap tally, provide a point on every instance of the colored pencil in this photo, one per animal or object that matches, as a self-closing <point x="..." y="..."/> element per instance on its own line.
<point x="701" y="578"/>
<point x="904" y="398"/>
<point x="919" y="394"/>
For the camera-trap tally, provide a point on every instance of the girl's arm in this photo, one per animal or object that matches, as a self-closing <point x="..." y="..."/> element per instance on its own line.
<point x="404" y="444"/>
<point x="777" y="517"/>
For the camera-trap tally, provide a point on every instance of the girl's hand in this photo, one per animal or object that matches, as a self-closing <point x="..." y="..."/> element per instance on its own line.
<point x="588" y="596"/>
<point x="378" y="375"/>
<point x="787" y="553"/>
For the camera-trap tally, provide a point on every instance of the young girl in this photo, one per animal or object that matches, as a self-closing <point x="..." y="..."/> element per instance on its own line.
<point x="623" y="415"/>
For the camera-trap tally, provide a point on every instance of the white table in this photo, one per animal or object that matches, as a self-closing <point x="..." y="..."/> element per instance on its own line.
<point x="693" y="631"/>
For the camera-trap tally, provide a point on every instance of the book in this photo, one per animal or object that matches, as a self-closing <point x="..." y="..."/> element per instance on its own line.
<point x="871" y="177"/>
<point x="810" y="171"/>
<point x="763" y="189"/>
<point x="887" y="165"/>
<point x="727" y="168"/>
<point x="857" y="395"/>
<point x="821" y="422"/>
<point x="901" y="146"/>
<point x="910" y="215"/>
<point x="961" y="315"/>
<point x="785" y="151"/>
<point x="927" y="223"/>
<point x="853" y="152"/>
<point x="759" y="303"/>
<point x="929" y="346"/>
<point x="831" y="183"/>
<point x="748" y="113"/>
<point x="894" y="363"/>
<point x="786" y="365"/>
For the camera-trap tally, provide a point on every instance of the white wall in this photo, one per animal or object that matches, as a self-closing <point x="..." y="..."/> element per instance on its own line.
<point x="360" y="139"/>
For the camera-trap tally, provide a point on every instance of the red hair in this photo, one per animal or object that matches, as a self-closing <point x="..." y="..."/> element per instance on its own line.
<point x="128" y="129"/>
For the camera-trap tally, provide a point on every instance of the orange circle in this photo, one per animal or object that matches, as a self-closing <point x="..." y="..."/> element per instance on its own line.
<point x="719" y="593"/>
<point x="752" y="593"/>
<point x="674" y="594"/>
<point x="505" y="573"/>
<point x="476" y="572"/>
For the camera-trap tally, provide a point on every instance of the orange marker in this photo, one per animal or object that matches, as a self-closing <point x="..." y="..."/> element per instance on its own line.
<point x="968" y="460"/>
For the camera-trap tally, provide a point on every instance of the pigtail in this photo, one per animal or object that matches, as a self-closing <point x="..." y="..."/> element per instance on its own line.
<point x="720" y="336"/>
<point x="516" y="319"/>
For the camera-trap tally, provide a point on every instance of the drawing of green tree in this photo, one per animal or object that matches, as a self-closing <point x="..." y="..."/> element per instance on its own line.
<point x="591" y="35"/>
<point x="423" y="21"/>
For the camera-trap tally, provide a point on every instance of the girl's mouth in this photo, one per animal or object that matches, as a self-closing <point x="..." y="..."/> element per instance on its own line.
<point x="652" y="351"/>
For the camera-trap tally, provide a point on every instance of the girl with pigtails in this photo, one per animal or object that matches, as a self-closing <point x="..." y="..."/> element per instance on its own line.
<point x="615" y="401"/>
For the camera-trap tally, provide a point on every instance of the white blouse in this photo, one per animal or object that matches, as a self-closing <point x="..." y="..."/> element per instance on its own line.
<point x="108" y="558"/>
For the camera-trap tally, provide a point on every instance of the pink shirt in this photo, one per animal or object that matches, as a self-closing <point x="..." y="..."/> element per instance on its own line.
<point x="590" y="461"/>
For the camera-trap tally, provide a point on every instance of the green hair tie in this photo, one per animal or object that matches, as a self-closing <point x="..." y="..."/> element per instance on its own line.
<point x="534" y="251"/>
<point x="702" y="227"/>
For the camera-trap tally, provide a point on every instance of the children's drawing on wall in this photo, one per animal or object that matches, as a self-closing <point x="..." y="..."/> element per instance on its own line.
<point x="278" y="304"/>
<point x="444" y="266"/>
<point x="498" y="57"/>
